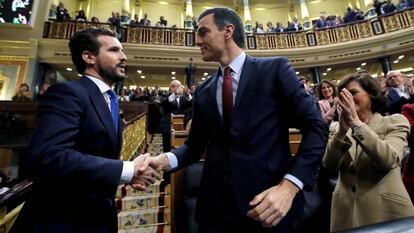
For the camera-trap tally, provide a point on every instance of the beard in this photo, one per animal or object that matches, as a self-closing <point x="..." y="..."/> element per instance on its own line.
<point x="110" y="74"/>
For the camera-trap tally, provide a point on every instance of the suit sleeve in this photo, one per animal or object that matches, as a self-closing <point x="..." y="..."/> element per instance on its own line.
<point x="304" y="114"/>
<point x="53" y="156"/>
<point x="196" y="141"/>
<point x="385" y="153"/>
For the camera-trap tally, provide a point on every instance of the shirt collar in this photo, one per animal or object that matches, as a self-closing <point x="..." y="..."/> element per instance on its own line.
<point x="237" y="64"/>
<point x="103" y="87"/>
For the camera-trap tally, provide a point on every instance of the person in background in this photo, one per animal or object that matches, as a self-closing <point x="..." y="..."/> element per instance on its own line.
<point x="366" y="149"/>
<point x="76" y="145"/>
<point x="241" y="120"/>
<point x="396" y="95"/>
<point x="327" y="101"/>
<point x="23" y="94"/>
<point x="81" y="17"/>
<point x="62" y="14"/>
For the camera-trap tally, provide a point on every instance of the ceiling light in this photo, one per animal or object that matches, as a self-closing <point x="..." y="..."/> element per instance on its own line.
<point x="68" y="69"/>
<point x="359" y="68"/>
<point x="260" y="9"/>
<point x="396" y="61"/>
<point x="79" y="75"/>
<point x="142" y="76"/>
<point x="315" y="2"/>
<point x="363" y="64"/>
<point x="205" y="74"/>
<point x="408" y="69"/>
<point x="324" y="74"/>
<point x="400" y="57"/>
<point x="297" y="72"/>
<point x="173" y="72"/>
<point x="329" y="69"/>
<point x="139" y="71"/>
<point x="173" y="77"/>
<point x="203" y="79"/>
<point x="163" y="3"/>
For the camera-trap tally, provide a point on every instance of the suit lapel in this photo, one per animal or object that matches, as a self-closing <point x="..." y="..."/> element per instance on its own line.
<point x="101" y="108"/>
<point x="246" y="74"/>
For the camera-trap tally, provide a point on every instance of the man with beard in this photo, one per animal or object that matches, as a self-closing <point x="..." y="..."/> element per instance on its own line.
<point x="73" y="158"/>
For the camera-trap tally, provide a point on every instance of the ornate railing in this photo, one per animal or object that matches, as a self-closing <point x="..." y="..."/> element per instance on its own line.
<point x="134" y="136"/>
<point x="186" y="37"/>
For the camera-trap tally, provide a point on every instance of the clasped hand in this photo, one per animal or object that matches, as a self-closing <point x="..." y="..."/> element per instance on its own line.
<point x="348" y="116"/>
<point x="147" y="170"/>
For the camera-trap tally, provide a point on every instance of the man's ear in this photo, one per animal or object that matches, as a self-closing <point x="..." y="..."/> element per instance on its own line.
<point x="228" y="31"/>
<point x="88" y="57"/>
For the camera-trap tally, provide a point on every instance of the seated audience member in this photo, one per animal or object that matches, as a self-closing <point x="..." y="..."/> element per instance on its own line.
<point x="260" y="29"/>
<point x="378" y="7"/>
<point x="402" y="5"/>
<point x="122" y="97"/>
<point x="294" y="25"/>
<point x="396" y="97"/>
<point x="321" y="22"/>
<point x="366" y="149"/>
<point x="162" y="22"/>
<point x="62" y="14"/>
<point x="327" y="101"/>
<point x="145" y="21"/>
<point x="81" y="16"/>
<point x="270" y="27"/>
<point x="279" y="27"/>
<point x="408" y="165"/>
<point x="134" y="23"/>
<point x="95" y="20"/>
<point x="389" y="7"/>
<point x="23" y="94"/>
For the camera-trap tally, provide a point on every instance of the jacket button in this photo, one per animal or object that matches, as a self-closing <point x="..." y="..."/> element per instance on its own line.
<point x="352" y="171"/>
<point x="353" y="189"/>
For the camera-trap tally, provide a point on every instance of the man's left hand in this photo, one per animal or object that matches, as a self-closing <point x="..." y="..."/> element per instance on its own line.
<point x="272" y="205"/>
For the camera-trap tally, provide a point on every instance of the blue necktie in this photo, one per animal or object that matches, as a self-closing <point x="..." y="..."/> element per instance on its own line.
<point x="114" y="108"/>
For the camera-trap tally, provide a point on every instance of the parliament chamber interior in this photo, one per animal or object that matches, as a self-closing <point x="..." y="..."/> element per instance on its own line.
<point x="323" y="41"/>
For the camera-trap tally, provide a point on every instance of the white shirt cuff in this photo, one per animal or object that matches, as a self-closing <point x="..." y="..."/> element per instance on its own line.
<point x="127" y="172"/>
<point x="188" y="97"/>
<point x="172" y="159"/>
<point x="294" y="180"/>
<point x="172" y="97"/>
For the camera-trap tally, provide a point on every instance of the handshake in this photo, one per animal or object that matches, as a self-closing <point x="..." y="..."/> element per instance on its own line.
<point x="147" y="170"/>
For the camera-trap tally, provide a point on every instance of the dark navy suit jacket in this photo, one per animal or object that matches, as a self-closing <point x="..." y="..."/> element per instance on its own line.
<point x="73" y="161"/>
<point x="269" y="100"/>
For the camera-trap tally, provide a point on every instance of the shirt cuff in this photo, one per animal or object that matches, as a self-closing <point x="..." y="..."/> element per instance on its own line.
<point x="294" y="180"/>
<point x="172" y="159"/>
<point x="172" y="97"/>
<point x="127" y="172"/>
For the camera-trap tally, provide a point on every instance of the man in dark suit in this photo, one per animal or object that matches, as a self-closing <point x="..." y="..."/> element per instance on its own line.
<point x="177" y="101"/>
<point x="73" y="156"/>
<point x="242" y="114"/>
<point x="396" y="95"/>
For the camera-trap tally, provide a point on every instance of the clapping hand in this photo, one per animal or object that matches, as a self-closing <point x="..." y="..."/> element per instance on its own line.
<point x="348" y="110"/>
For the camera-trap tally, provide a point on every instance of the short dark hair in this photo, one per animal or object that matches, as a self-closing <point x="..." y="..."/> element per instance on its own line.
<point x="86" y="40"/>
<point x="224" y="16"/>
<point x="335" y="92"/>
<point x="371" y="86"/>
